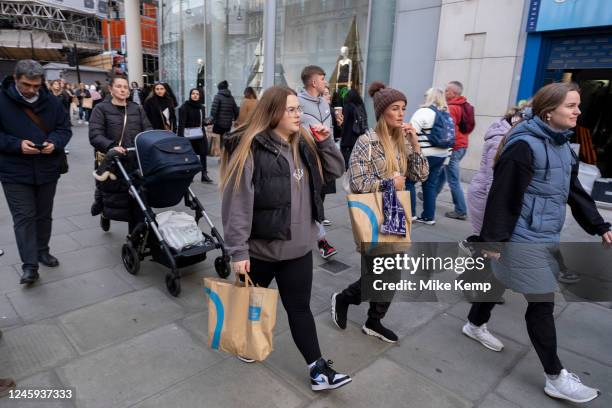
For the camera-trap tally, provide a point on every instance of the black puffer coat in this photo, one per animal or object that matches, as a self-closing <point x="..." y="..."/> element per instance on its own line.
<point x="105" y="128"/>
<point x="223" y="111"/>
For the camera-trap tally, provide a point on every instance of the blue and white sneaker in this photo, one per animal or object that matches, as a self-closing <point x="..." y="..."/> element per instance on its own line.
<point x="323" y="377"/>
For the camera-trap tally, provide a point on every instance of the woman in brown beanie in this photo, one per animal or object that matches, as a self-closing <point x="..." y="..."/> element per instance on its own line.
<point x="390" y="152"/>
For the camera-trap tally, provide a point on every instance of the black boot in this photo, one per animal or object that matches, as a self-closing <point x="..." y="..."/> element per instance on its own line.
<point x="104" y="223"/>
<point x="29" y="276"/>
<point x="47" y="259"/>
<point x="205" y="178"/>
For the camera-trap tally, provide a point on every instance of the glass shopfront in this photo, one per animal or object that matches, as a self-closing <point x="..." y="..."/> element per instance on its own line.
<point x="206" y="41"/>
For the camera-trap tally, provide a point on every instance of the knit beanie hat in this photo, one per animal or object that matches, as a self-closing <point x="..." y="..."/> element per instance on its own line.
<point x="383" y="97"/>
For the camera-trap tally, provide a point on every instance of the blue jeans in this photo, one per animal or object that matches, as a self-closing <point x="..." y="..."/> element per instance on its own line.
<point x="430" y="190"/>
<point x="452" y="173"/>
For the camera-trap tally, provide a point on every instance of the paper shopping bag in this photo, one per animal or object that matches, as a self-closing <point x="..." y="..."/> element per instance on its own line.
<point x="241" y="318"/>
<point x="366" y="213"/>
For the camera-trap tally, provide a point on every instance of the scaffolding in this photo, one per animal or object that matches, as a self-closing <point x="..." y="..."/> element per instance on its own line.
<point x="58" y="23"/>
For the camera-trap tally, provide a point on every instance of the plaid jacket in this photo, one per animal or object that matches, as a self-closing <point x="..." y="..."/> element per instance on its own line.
<point x="367" y="165"/>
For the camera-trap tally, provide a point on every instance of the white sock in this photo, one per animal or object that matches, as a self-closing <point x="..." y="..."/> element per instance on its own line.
<point x="312" y="364"/>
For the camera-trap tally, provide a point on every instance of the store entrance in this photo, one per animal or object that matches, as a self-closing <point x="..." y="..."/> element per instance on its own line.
<point x="595" y="122"/>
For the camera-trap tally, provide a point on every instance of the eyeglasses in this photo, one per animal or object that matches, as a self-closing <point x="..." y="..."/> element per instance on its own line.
<point x="295" y="110"/>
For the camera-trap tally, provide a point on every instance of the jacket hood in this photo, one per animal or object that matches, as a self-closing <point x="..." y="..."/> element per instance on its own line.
<point x="225" y="92"/>
<point x="458" y="100"/>
<point x="498" y="129"/>
<point x="8" y="87"/>
<point x="309" y="97"/>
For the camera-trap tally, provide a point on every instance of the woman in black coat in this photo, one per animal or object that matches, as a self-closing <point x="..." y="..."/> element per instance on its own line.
<point x="192" y="116"/>
<point x="355" y="123"/>
<point x="113" y="126"/>
<point x="159" y="107"/>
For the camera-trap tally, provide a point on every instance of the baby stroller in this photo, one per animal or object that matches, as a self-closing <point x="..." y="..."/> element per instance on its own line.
<point x="166" y="167"/>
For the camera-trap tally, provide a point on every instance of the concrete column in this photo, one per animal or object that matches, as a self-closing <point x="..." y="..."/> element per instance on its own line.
<point x="134" y="41"/>
<point x="269" y="43"/>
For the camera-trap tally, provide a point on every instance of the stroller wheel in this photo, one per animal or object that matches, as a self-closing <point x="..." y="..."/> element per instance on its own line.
<point x="173" y="283"/>
<point x="130" y="259"/>
<point x="222" y="266"/>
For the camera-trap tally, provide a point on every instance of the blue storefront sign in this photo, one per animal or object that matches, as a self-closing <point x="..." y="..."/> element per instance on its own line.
<point x="548" y="15"/>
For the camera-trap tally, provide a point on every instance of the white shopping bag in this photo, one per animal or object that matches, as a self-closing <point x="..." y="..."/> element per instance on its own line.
<point x="178" y="229"/>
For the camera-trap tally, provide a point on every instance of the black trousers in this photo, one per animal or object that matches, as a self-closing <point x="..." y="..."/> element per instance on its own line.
<point x="294" y="280"/>
<point x="352" y="296"/>
<point x="31" y="207"/>
<point x="200" y="147"/>
<point x="540" y="327"/>
<point x="346" y="154"/>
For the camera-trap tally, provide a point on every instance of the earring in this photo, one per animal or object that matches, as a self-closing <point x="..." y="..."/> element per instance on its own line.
<point x="548" y="117"/>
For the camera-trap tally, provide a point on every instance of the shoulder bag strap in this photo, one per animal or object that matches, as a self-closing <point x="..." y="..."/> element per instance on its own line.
<point x="125" y="115"/>
<point x="36" y="119"/>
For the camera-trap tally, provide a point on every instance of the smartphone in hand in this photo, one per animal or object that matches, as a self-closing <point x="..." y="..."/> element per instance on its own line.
<point x="39" y="146"/>
<point x="316" y="134"/>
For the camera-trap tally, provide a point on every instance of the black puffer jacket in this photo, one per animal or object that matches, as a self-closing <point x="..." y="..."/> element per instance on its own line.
<point x="105" y="128"/>
<point x="106" y="124"/>
<point x="224" y="111"/>
<point x="191" y="115"/>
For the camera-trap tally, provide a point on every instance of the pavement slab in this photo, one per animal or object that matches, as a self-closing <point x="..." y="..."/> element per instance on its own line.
<point x="137" y="368"/>
<point x="386" y="384"/>
<point x="121" y="318"/>
<point x="28" y="349"/>
<point x="52" y="299"/>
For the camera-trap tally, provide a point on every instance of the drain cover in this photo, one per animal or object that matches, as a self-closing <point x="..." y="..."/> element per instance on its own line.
<point x="335" y="267"/>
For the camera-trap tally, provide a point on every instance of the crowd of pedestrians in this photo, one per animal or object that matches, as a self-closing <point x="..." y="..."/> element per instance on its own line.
<point x="282" y="154"/>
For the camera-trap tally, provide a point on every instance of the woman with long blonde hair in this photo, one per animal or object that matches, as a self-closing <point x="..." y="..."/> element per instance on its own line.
<point x="423" y="121"/>
<point x="272" y="172"/>
<point x="389" y="153"/>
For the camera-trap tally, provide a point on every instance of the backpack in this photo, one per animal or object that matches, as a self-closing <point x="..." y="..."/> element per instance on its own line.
<point x="442" y="133"/>
<point x="467" y="122"/>
<point x="360" y="126"/>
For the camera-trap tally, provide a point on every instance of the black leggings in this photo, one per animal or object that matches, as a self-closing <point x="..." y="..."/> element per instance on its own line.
<point x="540" y="327"/>
<point x="294" y="280"/>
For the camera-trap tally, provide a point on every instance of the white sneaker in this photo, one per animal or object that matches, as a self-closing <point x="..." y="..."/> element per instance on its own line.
<point x="568" y="386"/>
<point x="483" y="336"/>
<point x="245" y="359"/>
<point x="80" y="122"/>
<point x="326" y="222"/>
<point x="86" y="122"/>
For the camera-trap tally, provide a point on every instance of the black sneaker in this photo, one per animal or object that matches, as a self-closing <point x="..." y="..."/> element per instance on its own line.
<point x="455" y="215"/>
<point x="206" y="179"/>
<point x="374" y="327"/>
<point x="339" y="310"/>
<point x="323" y="377"/>
<point x="104" y="223"/>
<point x="325" y="249"/>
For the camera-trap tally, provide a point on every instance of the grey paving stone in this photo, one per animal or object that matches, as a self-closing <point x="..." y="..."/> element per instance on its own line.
<point x="60" y="244"/>
<point x="28" y="349"/>
<point x="197" y="324"/>
<point x="402" y="317"/>
<point x="581" y="328"/>
<point x="8" y="316"/>
<point x="11" y="254"/>
<point x="43" y="381"/>
<point x="136" y="369"/>
<point x="95" y="236"/>
<point x="63" y="226"/>
<point x="507" y="319"/>
<point x="349" y="349"/>
<point x="119" y="319"/>
<point x="525" y="384"/>
<point x="386" y="384"/>
<point x="230" y="383"/>
<point x="495" y="401"/>
<point x="85" y="221"/>
<point x="78" y="262"/>
<point x="192" y="297"/>
<point x="9" y="279"/>
<point x="55" y="298"/>
<point x="442" y="353"/>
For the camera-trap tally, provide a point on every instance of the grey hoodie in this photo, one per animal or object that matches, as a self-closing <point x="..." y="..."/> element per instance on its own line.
<point x="316" y="111"/>
<point x="237" y="209"/>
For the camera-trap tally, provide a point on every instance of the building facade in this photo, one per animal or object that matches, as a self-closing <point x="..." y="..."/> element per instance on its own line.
<point x="501" y="50"/>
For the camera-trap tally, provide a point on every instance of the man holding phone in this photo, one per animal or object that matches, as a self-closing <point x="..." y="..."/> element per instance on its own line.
<point x="34" y="129"/>
<point x="317" y="118"/>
